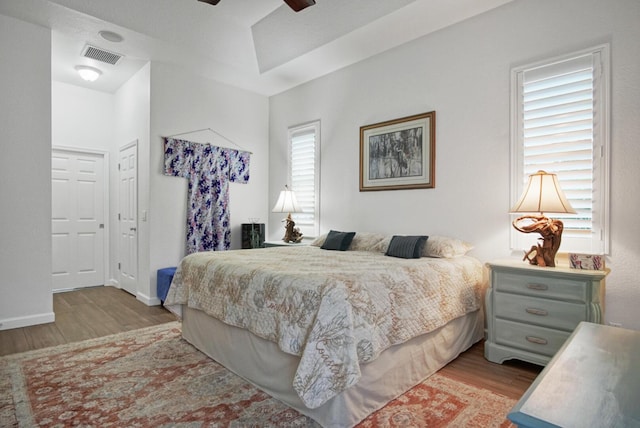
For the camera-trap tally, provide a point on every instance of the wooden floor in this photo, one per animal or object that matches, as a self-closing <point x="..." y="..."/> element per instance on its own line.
<point x="85" y="314"/>
<point x="100" y="311"/>
<point x="510" y="379"/>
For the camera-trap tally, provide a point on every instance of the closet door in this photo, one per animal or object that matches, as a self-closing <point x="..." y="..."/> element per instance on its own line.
<point x="77" y="219"/>
<point x="128" y="219"/>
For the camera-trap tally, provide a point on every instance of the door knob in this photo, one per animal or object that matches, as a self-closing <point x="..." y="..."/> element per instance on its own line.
<point x="133" y="229"/>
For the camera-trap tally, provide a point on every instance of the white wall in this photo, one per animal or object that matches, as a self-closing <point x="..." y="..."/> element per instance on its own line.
<point x="25" y="174"/>
<point x="81" y="118"/>
<point x="180" y="102"/>
<point x="462" y="72"/>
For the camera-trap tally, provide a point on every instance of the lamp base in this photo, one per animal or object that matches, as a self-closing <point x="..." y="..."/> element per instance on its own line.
<point x="292" y="233"/>
<point x="551" y="232"/>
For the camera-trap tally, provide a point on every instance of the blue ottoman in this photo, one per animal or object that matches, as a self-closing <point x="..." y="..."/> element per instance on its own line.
<point x="164" y="281"/>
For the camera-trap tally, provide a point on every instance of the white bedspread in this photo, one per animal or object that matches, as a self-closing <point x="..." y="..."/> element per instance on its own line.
<point x="333" y="309"/>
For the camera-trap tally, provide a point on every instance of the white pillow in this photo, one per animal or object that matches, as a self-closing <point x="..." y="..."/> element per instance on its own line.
<point x="319" y="240"/>
<point x="362" y="241"/>
<point x="365" y="241"/>
<point x="445" y="247"/>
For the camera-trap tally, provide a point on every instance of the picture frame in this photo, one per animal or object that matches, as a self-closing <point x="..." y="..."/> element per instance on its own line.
<point x="398" y="154"/>
<point x="586" y="261"/>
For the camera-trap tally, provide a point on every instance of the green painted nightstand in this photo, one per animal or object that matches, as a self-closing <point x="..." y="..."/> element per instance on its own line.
<point x="532" y="310"/>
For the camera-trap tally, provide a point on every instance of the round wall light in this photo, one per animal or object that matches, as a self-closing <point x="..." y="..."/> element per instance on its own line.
<point x="89" y="74"/>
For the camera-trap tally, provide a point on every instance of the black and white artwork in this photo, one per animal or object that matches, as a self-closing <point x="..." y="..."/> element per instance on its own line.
<point x="398" y="154"/>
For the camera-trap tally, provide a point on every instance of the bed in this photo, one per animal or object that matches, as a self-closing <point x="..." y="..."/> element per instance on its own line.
<point x="334" y="334"/>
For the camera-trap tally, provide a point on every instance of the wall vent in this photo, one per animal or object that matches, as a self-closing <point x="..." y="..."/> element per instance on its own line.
<point x="100" y="54"/>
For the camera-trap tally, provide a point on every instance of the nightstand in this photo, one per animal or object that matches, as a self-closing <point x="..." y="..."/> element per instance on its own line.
<point x="532" y="310"/>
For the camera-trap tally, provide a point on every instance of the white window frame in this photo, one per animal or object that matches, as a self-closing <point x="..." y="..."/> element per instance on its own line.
<point x="596" y="239"/>
<point x="309" y="199"/>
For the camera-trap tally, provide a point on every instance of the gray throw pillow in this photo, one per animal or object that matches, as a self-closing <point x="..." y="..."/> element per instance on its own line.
<point x="338" y="240"/>
<point x="406" y="247"/>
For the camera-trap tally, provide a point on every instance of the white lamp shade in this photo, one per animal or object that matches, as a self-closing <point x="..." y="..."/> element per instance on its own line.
<point x="287" y="203"/>
<point x="543" y="194"/>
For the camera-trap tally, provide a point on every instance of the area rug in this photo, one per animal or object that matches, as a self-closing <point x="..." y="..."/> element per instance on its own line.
<point x="153" y="378"/>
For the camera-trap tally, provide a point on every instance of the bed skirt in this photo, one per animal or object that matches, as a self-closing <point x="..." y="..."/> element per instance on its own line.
<point x="394" y="372"/>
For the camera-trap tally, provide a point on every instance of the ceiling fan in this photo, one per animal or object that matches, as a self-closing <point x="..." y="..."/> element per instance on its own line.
<point x="296" y="5"/>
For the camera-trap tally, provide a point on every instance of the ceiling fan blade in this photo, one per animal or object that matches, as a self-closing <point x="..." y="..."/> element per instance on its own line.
<point x="298" y="5"/>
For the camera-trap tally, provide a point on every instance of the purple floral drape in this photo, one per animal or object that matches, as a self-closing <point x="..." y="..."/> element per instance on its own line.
<point x="209" y="170"/>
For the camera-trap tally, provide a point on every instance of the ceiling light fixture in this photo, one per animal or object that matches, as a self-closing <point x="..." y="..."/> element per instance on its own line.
<point x="90" y="74"/>
<point x="110" y="36"/>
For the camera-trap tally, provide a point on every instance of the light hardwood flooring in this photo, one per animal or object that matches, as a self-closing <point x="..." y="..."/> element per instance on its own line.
<point x="85" y="314"/>
<point x="100" y="311"/>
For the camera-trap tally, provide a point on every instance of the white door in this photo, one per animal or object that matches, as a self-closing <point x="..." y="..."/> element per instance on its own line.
<point x="77" y="219"/>
<point x="128" y="219"/>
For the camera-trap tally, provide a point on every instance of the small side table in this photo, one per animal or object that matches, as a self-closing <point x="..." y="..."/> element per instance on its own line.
<point x="593" y="381"/>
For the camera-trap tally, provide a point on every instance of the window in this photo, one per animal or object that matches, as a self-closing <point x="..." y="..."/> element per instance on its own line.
<point x="304" y="175"/>
<point x="560" y="125"/>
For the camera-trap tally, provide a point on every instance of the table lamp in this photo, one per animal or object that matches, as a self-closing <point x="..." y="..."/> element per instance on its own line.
<point x="542" y="194"/>
<point x="287" y="203"/>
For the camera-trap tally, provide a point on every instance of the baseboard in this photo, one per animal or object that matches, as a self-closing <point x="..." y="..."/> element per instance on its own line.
<point x="149" y="301"/>
<point x="9" y="323"/>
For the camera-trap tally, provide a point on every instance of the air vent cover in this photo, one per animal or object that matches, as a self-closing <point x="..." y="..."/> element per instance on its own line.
<point x="100" y="54"/>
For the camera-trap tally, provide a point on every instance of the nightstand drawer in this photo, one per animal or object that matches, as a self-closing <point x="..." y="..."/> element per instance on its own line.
<point x="547" y="287"/>
<point x="539" y="340"/>
<point x="548" y="313"/>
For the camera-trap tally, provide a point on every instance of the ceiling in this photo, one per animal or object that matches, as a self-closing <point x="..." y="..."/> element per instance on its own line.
<point x="260" y="45"/>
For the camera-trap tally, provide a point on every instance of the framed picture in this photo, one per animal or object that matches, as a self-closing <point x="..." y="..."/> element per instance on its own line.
<point x="586" y="261"/>
<point x="398" y="154"/>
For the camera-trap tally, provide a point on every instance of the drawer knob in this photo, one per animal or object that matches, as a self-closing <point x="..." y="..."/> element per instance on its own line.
<point x="535" y="311"/>
<point x="538" y="287"/>
<point x="537" y="340"/>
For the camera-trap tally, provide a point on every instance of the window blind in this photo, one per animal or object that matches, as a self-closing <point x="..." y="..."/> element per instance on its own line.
<point x="558" y="122"/>
<point x="561" y="128"/>
<point x="304" y="177"/>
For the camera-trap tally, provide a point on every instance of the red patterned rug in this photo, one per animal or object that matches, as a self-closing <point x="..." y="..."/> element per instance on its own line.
<point x="153" y="378"/>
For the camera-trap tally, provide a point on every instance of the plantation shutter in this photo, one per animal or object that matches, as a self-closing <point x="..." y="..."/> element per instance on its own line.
<point x="561" y="125"/>
<point x="305" y="176"/>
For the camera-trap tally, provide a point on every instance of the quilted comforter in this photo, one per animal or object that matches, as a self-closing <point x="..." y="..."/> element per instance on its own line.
<point x="333" y="309"/>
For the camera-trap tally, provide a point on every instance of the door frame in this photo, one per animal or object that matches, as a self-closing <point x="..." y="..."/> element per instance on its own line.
<point x="105" y="197"/>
